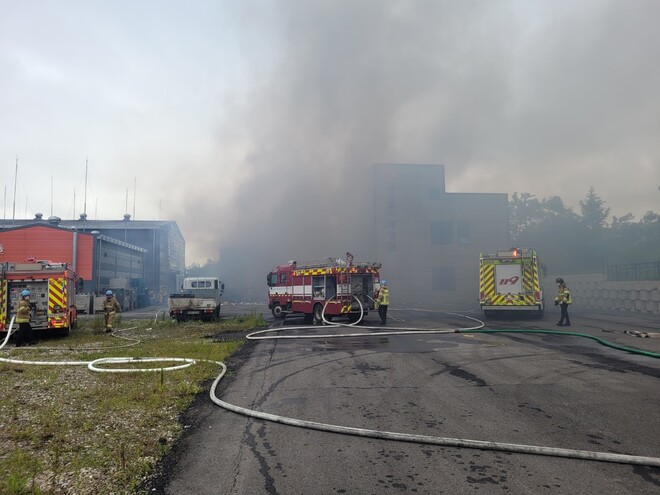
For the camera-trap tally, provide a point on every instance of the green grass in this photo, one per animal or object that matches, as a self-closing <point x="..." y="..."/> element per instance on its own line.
<point x="66" y="429"/>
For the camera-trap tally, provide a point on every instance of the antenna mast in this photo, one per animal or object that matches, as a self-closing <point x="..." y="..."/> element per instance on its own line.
<point x="134" y="189"/>
<point x="85" y="203"/>
<point x="13" y="214"/>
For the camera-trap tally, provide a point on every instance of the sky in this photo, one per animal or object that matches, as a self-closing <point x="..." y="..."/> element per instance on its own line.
<point x="256" y="122"/>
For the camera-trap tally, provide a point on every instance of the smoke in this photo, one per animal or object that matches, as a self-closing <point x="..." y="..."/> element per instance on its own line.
<point x="510" y="96"/>
<point x="349" y="84"/>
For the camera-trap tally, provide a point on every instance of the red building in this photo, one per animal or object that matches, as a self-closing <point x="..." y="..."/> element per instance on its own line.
<point x="48" y="242"/>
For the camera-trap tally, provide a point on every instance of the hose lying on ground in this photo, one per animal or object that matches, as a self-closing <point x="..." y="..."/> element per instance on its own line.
<point x="441" y="441"/>
<point x="570" y="334"/>
<point x="362" y="432"/>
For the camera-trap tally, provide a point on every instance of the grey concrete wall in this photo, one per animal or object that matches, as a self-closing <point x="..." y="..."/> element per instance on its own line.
<point x="594" y="291"/>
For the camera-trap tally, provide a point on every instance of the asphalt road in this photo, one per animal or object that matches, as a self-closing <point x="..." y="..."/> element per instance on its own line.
<point x="532" y="389"/>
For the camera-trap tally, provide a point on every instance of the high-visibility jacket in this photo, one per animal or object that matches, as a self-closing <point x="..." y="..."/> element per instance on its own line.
<point x="111" y="305"/>
<point x="23" y="311"/>
<point x="384" y="296"/>
<point x="563" y="296"/>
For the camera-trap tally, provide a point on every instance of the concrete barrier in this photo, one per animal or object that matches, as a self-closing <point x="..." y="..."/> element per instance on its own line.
<point x="593" y="290"/>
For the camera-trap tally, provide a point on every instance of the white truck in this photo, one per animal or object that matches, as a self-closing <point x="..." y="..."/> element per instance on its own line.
<point x="199" y="299"/>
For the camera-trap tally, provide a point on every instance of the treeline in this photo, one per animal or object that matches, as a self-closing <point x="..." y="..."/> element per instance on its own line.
<point x="584" y="242"/>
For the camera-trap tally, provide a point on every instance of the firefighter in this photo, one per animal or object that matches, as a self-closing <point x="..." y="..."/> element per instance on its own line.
<point x="110" y="307"/>
<point x="563" y="299"/>
<point x="24" y="335"/>
<point x="383" y="302"/>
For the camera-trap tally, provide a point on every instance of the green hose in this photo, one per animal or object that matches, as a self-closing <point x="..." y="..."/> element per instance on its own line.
<point x="574" y="334"/>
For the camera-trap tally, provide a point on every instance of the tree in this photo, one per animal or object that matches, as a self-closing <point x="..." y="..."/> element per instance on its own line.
<point x="208" y="269"/>
<point x="523" y="213"/>
<point x="594" y="213"/>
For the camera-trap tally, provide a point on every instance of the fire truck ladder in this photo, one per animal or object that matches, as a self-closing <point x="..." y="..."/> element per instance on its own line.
<point x="528" y="280"/>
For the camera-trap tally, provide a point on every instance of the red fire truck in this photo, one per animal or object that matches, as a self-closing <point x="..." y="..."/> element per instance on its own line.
<point x="52" y="294"/>
<point x="336" y="284"/>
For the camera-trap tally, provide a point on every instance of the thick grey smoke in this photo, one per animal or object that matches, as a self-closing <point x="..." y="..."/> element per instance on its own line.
<point x="545" y="97"/>
<point x="351" y="84"/>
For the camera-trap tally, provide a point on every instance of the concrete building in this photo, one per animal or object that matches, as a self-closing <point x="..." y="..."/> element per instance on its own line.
<point x="429" y="240"/>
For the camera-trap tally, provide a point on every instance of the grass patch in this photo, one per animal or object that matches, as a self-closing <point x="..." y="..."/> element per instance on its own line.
<point x="66" y="429"/>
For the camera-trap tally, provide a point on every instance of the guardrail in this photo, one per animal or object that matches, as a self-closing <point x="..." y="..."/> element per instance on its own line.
<point x="634" y="271"/>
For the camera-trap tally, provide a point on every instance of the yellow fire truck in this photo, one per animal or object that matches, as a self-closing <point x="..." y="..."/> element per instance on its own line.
<point x="511" y="281"/>
<point x="52" y="294"/>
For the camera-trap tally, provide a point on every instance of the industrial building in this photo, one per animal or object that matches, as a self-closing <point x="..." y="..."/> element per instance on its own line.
<point x="429" y="240"/>
<point x="142" y="261"/>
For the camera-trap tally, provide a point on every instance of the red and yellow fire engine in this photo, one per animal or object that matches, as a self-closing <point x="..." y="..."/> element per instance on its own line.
<point x="342" y="286"/>
<point x="52" y="294"/>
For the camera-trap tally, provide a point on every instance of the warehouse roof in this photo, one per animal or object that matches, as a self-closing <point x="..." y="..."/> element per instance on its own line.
<point x="86" y="224"/>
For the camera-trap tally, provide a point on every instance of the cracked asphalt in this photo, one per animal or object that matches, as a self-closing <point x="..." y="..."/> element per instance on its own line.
<point x="544" y="390"/>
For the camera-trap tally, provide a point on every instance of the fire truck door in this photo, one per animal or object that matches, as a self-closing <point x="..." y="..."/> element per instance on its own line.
<point x="330" y="286"/>
<point x="38" y="299"/>
<point x="508" y="279"/>
<point x="362" y="286"/>
<point x="318" y="287"/>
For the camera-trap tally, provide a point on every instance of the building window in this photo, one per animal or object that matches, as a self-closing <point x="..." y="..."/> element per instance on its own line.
<point x="463" y="229"/>
<point x="442" y="233"/>
<point x="443" y="278"/>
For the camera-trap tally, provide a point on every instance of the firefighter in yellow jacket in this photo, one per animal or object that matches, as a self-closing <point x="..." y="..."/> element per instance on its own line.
<point x="110" y="307"/>
<point x="383" y="302"/>
<point x="24" y="335"/>
<point x="563" y="299"/>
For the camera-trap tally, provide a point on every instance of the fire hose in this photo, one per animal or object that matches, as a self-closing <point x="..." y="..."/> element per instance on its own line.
<point x="362" y="432"/>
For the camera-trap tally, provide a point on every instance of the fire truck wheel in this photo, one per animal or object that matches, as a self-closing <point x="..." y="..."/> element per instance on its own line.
<point x="278" y="311"/>
<point x="64" y="332"/>
<point x="352" y="317"/>
<point x="318" y="313"/>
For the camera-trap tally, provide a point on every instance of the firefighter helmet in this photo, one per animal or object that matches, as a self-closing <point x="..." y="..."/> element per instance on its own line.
<point x="108" y="292"/>
<point x="559" y="280"/>
<point x="25" y="293"/>
<point x="383" y="283"/>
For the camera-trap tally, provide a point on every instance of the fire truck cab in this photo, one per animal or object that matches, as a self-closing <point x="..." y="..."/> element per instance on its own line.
<point x="342" y="287"/>
<point x="52" y="294"/>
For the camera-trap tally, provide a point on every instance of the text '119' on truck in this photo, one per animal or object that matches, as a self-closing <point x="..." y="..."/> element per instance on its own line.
<point x="199" y="299"/>
<point x="511" y="281"/>
<point x="330" y="288"/>
<point x="52" y="289"/>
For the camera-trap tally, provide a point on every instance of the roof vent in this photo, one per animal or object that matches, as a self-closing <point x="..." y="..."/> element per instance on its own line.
<point x="38" y="216"/>
<point x="54" y="220"/>
<point x="127" y="217"/>
<point x="83" y="216"/>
